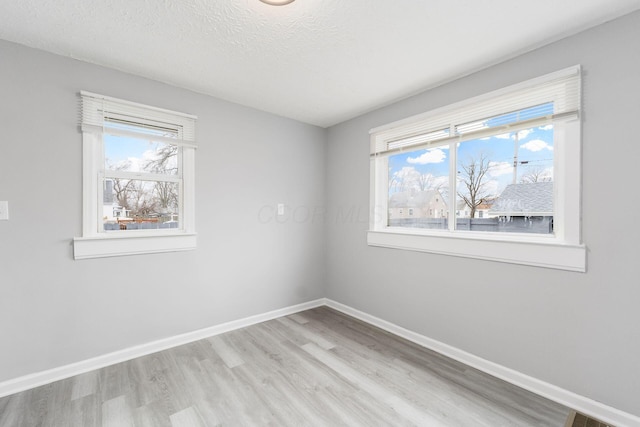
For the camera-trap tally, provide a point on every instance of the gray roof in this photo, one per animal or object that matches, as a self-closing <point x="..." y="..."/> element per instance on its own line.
<point x="525" y="199"/>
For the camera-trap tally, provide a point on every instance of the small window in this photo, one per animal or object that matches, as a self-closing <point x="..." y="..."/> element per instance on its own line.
<point x="143" y="179"/>
<point x="138" y="179"/>
<point x="502" y="169"/>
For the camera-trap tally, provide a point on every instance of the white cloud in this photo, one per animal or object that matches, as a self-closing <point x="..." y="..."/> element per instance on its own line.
<point x="522" y="134"/>
<point x="536" y="145"/>
<point x="135" y="164"/>
<point x="537" y="174"/>
<point x="500" y="168"/>
<point x="491" y="187"/>
<point x="140" y="164"/>
<point x="131" y="164"/>
<point x="504" y="136"/>
<point x="547" y="174"/>
<point x="407" y="171"/>
<point x="441" y="182"/>
<point x="408" y="178"/>
<point x="150" y="155"/>
<point x="546" y="127"/>
<point x="433" y="155"/>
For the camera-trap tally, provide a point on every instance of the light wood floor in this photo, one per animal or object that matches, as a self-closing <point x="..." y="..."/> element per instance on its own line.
<point x="317" y="368"/>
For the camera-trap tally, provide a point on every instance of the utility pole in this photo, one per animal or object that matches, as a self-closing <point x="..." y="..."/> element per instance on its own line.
<point x="516" y="140"/>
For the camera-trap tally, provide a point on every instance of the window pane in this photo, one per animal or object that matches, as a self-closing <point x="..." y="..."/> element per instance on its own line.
<point x="418" y="188"/>
<point x="130" y="204"/>
<point x="505" y="182"/>
<point x="125" y="153"/>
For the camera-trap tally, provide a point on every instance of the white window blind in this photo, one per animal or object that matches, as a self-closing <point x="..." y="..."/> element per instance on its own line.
<point x="541" y="101"/>
<point x="119" y="117"/>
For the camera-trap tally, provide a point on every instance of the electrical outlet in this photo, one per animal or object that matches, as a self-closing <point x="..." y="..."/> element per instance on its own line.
<point x="4" y="211"/>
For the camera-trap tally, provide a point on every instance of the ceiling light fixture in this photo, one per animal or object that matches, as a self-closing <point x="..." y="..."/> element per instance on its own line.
<point x="277" y="2"/>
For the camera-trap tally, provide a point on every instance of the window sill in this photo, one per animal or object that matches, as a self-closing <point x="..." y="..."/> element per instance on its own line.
<point x="110" y="245"/>
<point x="536" y="252"/>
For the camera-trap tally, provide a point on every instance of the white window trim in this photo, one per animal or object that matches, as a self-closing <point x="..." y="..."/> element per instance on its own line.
<point x="564" y="250"/>
<point x="95" y="243"/>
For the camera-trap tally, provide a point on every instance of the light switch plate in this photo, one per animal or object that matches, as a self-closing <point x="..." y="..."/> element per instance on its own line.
<point x="4" y="211"/>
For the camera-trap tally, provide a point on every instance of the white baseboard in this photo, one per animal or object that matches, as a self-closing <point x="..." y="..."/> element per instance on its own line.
<point x="37" y="379"/>
<point x="580" y="403"/>
<point x="575" y="401"/>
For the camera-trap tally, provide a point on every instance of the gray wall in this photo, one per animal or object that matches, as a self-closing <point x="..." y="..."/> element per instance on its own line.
<point x="54" y="310"/>
<point x="577" y="331"/>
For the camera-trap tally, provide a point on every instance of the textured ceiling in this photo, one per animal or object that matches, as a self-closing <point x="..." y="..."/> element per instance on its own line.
<point x="317" y="61"/>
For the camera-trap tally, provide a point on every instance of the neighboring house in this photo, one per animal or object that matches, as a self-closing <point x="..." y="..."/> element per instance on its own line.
<point x="524" y="200"/>
<point x="116" y="217"/>
<point x="417" y="204"/>
<point x="462" y="209"/>
<point x="526" y="206"/>
<point x="484" y="208"/>
<point x="111" y="211"/>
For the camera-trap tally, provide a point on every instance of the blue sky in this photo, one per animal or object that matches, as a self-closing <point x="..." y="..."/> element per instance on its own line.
<point x="535" y="146"/>
<point x="121" y="148"/>
<point x="138" y="151"/>
<point x="134" y="152"/>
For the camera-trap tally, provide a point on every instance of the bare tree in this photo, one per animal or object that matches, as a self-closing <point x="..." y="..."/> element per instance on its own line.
<point x="536" y="175"/>
<point x="165" y="160"/>
<point x="166" y="195"/>
<point x="393" y="180"/>
<point x="121" y="190"/>
<point x="426" y="181"/>
<point x="141" y="199"/>
<point x="472" y="174"/>
<point x="144" y="198"/>
<point x="121" y="187"/>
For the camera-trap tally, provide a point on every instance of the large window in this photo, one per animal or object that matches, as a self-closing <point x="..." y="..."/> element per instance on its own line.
<point x="494" y="177"/>
<point x="138" y="179"/>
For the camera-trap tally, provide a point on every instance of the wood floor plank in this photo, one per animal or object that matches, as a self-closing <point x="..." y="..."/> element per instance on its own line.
<point x="151" y="415"/>
<point x="85" y="412"/>
<point x="11" y="409"/>
<point x="146" y="388"/>
<point x="314" y="368"/>
<point x="460" y="379"/>
<point x="189" y="417"/>
<point x="84" y="385"/>
<point x="377" y="392"/>
<point x="307" y="333"/>
<point x="117" y="413"/>
<point x="336" y="401"/>
<point x="298" y="318"/>
<point x="237" y="403"/>
<point x="226" y="353"/>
